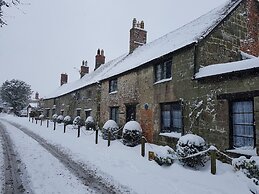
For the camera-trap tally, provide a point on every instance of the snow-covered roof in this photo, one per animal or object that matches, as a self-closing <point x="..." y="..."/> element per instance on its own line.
<point x="225" y="68"/>
<point x="177" y="39"/>
<point x="33" y="104"/>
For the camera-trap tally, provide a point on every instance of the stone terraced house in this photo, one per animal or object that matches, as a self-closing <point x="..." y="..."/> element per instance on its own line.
<point x="202" y="78"/>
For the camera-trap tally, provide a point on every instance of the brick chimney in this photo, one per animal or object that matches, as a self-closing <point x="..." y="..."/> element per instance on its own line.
<point x="37" y="95"/>
<point x="250" y="44"/>
<point x="84" y="69"/>
<point x="138" y="36"/>
<point x="99" y="58"/>
<point x="63" y="79"/>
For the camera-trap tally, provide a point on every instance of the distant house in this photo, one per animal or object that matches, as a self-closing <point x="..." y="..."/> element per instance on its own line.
<point x="201" y="78"/>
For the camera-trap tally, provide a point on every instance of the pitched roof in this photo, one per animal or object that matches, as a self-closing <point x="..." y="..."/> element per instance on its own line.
<point x="177" y="39"/>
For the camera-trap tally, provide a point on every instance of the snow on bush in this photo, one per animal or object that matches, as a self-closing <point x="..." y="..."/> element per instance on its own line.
<point x="250" y="167"/>
<point x="78" y="121"/>
<point x="132" y="133"/>
<point x="67" y="120"/>
<point x="54" y="117"/>
<point x="112" y="127"/>
<point x="60" y="119"/>
<point x="165" y="157"/>
<point x="89" y="123"/>
<point x="188" y="145"/>
<point x="41" y="117"/>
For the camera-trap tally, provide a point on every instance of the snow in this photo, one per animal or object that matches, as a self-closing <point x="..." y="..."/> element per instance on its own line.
<point x="1" y="167"/>
<point x="132" y="126"/>
<point x="45" y="173"/>
<point x="67" y="118"/>
<point x="89" y="119"/>
<point x="192" y="139"/>
<point x="220" y="69"/>
<point x="124" y="165"/>
<point x="177" y="39"/>
<point x="110" y="124"/>
<point x="249" y="151"/>
<point x="60" y="117"/>
<point x="163" y="80"/>
<point x="172" y="134"/>
<point x="34" y="104"/>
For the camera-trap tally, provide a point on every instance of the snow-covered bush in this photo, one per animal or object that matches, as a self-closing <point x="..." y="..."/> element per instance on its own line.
<point x="132" y="133"/>
<point x="78" y="121"/>
<point x="112" y="127"/>
<point x="166" y="158"/>
<point x="188" y="145"/>
<point x="60" y="119"/>
<point x="54" y="117"/>
<point x="250" y="167"/>
<point x="67" y="120"/>
<point x="41" y="117"/>
<point x="89" y="123"/>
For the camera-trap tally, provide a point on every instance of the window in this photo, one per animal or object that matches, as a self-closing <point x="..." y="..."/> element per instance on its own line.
<point x="78" y="112"/>
<point x="87" y="113"/>
<point x="243" y="124"/>
<point x="171" y="118"/>
<point x="47" y="112"/>
<point x="114" y="114"/>
<point x="163" y="71"/>
<point x="113" y="85"/>
<point x="53" y="111"/>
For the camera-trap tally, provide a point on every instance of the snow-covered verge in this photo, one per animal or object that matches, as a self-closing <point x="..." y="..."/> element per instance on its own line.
<point x="2" y="180"/>
<point x="125" y="165"/>
<point x="44" y="172"/>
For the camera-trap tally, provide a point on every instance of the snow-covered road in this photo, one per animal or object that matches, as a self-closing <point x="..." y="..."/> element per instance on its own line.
<point x="45" y="169"/>
<point x="118" y="166"/>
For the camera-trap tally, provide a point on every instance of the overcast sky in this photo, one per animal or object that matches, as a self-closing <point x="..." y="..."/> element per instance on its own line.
<point x="46" y="38"/>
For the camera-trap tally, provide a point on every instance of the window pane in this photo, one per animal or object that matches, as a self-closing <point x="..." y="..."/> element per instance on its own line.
<point x="243" y="120"/>
<point x="171" y="117"/>
<point x="168" y="69"/>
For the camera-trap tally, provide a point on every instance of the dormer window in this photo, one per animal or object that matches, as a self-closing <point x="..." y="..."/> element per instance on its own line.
<point x="113" y="86"/>
<point x="163" y="71"/>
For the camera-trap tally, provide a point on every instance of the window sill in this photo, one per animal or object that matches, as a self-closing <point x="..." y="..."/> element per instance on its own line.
<point x="163" y="80"/>
<point x="172" y="135"/>
<point x="114" y="92"/>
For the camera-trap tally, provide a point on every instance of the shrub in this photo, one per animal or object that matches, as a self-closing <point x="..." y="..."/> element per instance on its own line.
<point x="78" y="121"/>
<point x="60" y="119"/>
<point x="165" y="159"/>
<point x="250" y="167"/>
<point x="132" y="133"/>
<point x="54" y="117"/>
<point x="41" y="117"/>
<point x="89" y="123"/>
<point x="188" y="145"/>
<point x="112" y="127"/>
<point x="67" y="120"/>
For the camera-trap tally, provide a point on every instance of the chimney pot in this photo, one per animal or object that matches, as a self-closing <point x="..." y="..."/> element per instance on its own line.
<point x="63" y="79"/>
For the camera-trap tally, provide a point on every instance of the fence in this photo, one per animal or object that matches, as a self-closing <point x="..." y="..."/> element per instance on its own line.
<point x="212" y="151"/>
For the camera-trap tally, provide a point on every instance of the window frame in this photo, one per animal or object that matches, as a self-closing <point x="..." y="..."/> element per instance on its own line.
<point x="163" y="70"/>
<point x="113" y="85"/>
<point x="172" y="107"/>
<point x="116" y="113"/>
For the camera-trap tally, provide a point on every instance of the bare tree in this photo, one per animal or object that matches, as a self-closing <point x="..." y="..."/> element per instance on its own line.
<point x="6" y="3"/>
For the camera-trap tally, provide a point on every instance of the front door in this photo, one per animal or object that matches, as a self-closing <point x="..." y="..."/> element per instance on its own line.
<point x="130" y="113"/>
<point x="243" y="124"/>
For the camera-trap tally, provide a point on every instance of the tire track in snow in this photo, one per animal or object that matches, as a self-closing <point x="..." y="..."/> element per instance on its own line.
<point x="13" y="181"/>
<point x="87" y="176"/>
